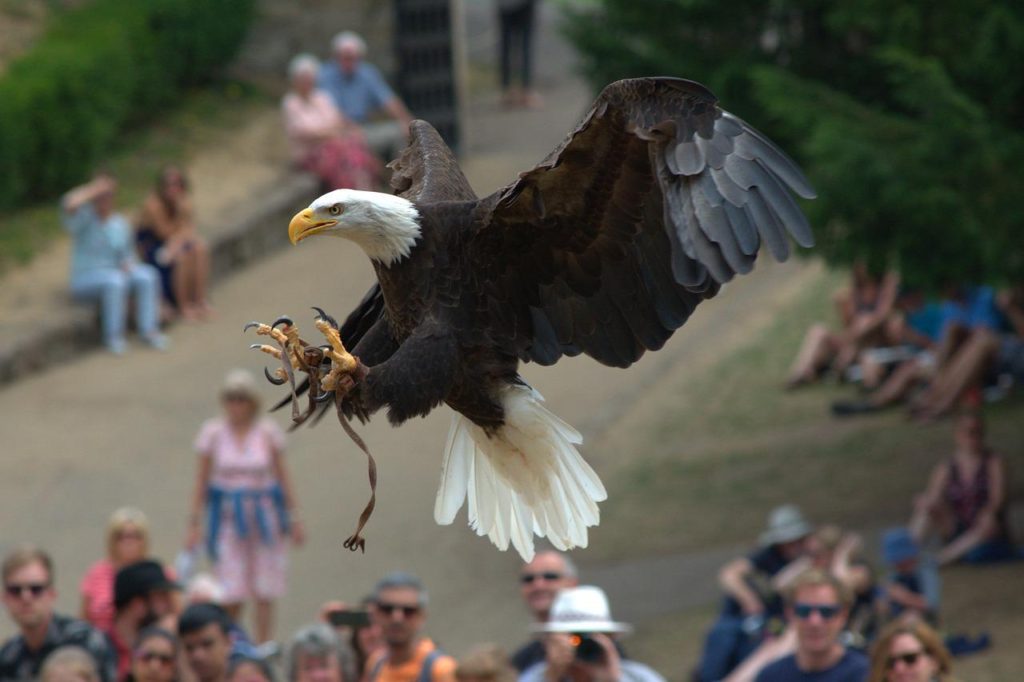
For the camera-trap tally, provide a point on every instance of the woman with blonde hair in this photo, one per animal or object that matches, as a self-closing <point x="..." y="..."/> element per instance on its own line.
<point x="910" y="652"/>
<point x="244" y="492"/>
<point x="127" y="543"/>
<point x="69" y="664"/>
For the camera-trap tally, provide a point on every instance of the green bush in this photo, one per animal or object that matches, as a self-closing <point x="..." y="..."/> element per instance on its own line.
<point x="98" y="70"/>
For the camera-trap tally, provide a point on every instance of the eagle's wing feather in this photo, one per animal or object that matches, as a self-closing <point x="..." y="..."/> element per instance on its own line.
<point x="656" y="199"/>
<point x="427" y="171"/>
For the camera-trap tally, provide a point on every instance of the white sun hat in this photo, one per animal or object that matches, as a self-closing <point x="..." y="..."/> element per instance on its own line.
<point x="785" y="524"/>
<point x="581" y="609"/>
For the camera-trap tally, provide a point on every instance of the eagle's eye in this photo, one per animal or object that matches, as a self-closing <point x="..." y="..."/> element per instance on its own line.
<point x="335" y="209"/>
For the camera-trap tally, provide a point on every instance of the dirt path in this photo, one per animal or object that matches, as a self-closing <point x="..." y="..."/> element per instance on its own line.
<point x="101" y="432"/>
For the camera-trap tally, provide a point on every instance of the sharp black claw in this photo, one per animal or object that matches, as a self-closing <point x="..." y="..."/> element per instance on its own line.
<point x="250" y="325"/>
<point x="284" y="319"/>
<point x="271" y="378"/>
<point x="325" y="317"/>
<point x="255" y="346"/>
<point x="323" y="397"/>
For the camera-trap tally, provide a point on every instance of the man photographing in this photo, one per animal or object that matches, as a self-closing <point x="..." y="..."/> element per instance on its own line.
<point x="579" y="643"/>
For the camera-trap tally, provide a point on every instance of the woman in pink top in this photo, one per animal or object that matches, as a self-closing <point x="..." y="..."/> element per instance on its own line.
<point x="243" y="485"/>
<point x="322" y="140"/>
<point x="127" y="542"/>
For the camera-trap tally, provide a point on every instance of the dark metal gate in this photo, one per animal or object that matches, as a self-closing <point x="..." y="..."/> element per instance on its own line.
<point x="425" y="64"/>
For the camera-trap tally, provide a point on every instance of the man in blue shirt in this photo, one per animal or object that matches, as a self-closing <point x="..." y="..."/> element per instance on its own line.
<point x="359" y="91"/>
<point x="105" y="267"/>
<point x="817" y="606"/>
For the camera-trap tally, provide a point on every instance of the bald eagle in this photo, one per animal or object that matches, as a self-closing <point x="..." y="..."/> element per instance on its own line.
<point x="656" y="199"/>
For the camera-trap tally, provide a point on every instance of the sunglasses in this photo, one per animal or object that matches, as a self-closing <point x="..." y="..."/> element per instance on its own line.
<point x="34" y="589"/>
<point x="826" y="611"/>
<point x="165" y="660"/>
<point x="549" y="576"/>
<point x="129" y="535"/>
<point x="908" y="659"/>
<point x="389" y="609"/>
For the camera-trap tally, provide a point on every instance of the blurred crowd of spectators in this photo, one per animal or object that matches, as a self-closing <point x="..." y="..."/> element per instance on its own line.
<point x="138" y="623"/>
<point x="932" y="354"/>
<point x="804" y="605"/>
<point x="807" y="604"/>
<point x="340" y="119"/>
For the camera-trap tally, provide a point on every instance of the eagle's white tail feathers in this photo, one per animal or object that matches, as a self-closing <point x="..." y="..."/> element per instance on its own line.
<point x="528" y="479"/>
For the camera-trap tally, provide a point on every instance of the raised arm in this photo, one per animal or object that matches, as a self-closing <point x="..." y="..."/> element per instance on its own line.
<point x="84" y="194"/>
<point x="733" y="580"/>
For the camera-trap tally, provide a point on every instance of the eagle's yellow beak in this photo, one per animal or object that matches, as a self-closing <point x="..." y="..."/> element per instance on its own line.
<point x="304" y="225"/>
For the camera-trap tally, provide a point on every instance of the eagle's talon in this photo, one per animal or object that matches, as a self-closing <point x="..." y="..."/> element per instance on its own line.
<point x="325" y="317"/>
<point x="250" y="325"/>
<point x="276" y="378"/>
<point x="285" y="320"/>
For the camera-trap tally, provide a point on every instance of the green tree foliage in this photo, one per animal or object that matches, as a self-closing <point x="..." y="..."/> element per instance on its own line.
<point x="908" y="115"/>
<point x="98" y="70"/>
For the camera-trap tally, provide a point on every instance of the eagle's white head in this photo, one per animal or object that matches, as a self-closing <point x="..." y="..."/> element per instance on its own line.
<point x="386" y="226"/>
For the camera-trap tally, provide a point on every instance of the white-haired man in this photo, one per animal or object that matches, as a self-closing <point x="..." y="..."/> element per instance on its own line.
<point x="540" y="582"/>
<point x="360" y="92"/>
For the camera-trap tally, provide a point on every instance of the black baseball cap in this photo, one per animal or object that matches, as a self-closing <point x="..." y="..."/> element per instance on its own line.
<point x="138" y="580"/>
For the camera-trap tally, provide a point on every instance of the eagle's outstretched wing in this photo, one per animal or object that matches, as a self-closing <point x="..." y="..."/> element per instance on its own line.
<point x="657" y="198"/>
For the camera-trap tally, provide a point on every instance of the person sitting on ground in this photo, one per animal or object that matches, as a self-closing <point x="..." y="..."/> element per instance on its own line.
<point x="966" y="500"/>
<point x="750" y="599"/>
<point x="316" y="654"/>
<point x="910" y="652"/>
<point x="913" y="330"/>
<point x="169" y="241"/>
<point x="987" y="353"/>
<point x="29" y="596"/>
<point x="911" y="590"/>
<point x="104" y="266"/>
<point x="359" y="91"/>
<point x="204" y="631"/>
<point x="967" y="320"/>
<point x="154" y="656"/>
<point x="400" y="609"/>
<point x="249" y="669"/>
<point x="485" y="663"/>
<point x="322" y="139"/>
<point x="143" y="596"/>
<point x="127" y="542"/>
<point x="579" y="642"/>
<point x="540" y="580"/>
<point x="817" y="606"/>
<point x="69" y="664"/>
<point x="864" y="311"/>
